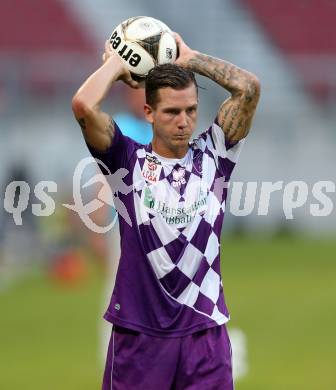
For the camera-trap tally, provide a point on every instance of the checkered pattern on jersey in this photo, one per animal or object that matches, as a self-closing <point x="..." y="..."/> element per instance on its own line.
<point x="186" y="260"/>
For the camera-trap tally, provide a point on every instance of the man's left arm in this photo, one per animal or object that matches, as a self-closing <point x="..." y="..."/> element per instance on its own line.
<point x="236" y="113"/>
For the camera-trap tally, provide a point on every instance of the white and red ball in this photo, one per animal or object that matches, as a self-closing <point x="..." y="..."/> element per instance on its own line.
<point x="143" y="42"/>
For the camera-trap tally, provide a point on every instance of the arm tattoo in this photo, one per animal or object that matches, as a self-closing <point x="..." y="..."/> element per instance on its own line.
<point x="109" y="130"/>
<point x="235" y="115"/>
<point x="82" y="124"/>
<point x="110" y="127"/>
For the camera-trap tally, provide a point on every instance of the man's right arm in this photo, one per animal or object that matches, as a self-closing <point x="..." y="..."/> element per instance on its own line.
<point x="97" y="126"/>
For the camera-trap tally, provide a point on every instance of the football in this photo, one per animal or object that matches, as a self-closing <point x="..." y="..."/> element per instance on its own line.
<point x="143" y="42"/>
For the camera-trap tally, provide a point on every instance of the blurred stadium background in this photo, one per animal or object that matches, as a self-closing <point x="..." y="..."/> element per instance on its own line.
<point x="279" y="274"/>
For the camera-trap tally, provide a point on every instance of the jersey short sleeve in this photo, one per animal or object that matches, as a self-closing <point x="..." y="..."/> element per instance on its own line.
<point x="213" y="141"/>
<point x="118" y="154"/>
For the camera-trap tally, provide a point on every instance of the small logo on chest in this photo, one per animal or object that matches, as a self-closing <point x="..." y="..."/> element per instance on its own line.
<point x="151" y="169"/>
<point x="178" y="175"/>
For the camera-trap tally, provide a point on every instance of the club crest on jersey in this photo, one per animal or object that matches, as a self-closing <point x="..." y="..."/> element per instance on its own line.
<point x="151" y="169"/>
<point x="178" y="177"/>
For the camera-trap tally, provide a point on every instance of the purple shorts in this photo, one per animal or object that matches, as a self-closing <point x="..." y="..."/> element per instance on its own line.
<point x="200" y="361"/>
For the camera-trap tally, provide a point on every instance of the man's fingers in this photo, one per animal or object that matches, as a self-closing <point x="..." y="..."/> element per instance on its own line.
<point x="132" y="83"/>
<point x="107" y="52"/>
<point x="178" y="39"/>
<point x="177" y="36"/>
<point x="127" y="79"/>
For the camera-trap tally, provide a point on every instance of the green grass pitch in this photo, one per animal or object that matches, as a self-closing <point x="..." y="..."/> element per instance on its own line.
<point x="280" y="292"/>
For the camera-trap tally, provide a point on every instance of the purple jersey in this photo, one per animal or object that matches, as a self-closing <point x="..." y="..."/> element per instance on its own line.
<point x="169" y="281"/>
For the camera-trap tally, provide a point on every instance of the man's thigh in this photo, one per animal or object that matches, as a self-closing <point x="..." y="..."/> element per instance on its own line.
<point x="137" y="361"/>
<point x="205" y="361"/>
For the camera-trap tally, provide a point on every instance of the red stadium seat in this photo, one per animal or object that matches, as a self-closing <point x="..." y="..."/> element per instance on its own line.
<point x="305" y="31"/>
<point x="41" y="25"/>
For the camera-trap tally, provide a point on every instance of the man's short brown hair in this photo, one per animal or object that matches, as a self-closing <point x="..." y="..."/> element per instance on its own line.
<point x="167" y="76"/>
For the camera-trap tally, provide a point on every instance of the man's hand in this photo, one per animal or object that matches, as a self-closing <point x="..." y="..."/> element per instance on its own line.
<point x="125" y="74"/>
<point x="185" y="54"/>
<point x="97" y="126"/>
<point x="236" y="113"/>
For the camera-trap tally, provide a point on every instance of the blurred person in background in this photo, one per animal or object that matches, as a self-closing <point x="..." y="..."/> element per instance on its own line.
<point x="132" y="123"/>
<point x="167" y="308"/>
<point x="19" y="240"/>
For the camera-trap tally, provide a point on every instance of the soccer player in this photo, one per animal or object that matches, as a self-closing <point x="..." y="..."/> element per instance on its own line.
<point x="167" y="308"/>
